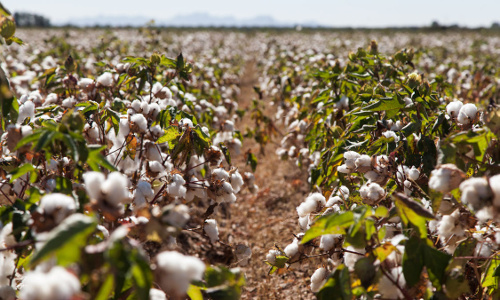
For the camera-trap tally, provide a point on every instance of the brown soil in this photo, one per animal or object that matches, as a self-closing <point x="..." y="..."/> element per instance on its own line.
<point x="267" y="218"/>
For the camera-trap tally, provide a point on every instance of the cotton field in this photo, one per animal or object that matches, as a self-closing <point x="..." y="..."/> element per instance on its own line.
<point x="215" y="164"/>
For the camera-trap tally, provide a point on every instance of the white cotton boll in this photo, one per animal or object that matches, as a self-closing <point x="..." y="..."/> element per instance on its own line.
<point x="50" y="99"/>
<point x="185" y="122"/>
<point x="450" y="225"/>
<point x="386" y="287"/>
<point x="397" y="126"/>
<point x="220" y="174"/>
<point x="292" y="248"/>
<point x="333" y="200"/>
<point x="144" y="108"/>
<point x="26" y="110"/>
<point x="7" y="293"/>
<point x="271" y="256"/>
<point x="363" y="161"/>
<point x="228" y="126"/>
<point x="26" y="130"/>
<point x="318" y="197"/>
<point x="136" y="105"/>
<point x="124" y="129"/>
<point x="106" y="79"/>
<point x="446" y="178"/>
<point x="115" y="188"/>
<point x="7" y="265"/>
<point x="343" y="191"/>
<point x="371" y="192"/>
<point x="327" y="241"/>
<point x="350" y="258"/>
<point x="413" y="173"/>
<point x="350" y="159"/>
<point x="93" y="182"/>
<point x="176" y="187"/>
<point x="154" y="109"/>
<point x="389" y="133"/>
<point x="211" y="230"/>
<point x="228" y="193"/>
<point x="304" y="222"/>
<point x="140" y="121"/>
<point x="156" y="131"/>
<point x="495" y="187"/>
<point x="84" y="83"/>
<point x="57" y="284"/>
<point x="58" y="205"/>
<point x="307" y="207"/>
<point x="177" y="216"/>
<point x="156" y="294"/>
<point x="467" y="113"/>
<point x="318" y="279"/>
<point x="177" y="271"/>
<point x="68" y="102"/>
<point x="236" y="182"/>
<point x="475" y="191"/>
<point x="407" y="187"/>
<point x="144" y="193"/>
<point x="453" y="108"/>
<point x="156" y="166"/>
<point x="371" y="175"/>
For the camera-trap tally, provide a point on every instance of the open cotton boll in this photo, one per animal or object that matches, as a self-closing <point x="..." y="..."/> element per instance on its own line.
<point x="453" y="108"/>
<point x="57" y="283"/>
<point x="413" y="173"/>
<point x="115" y="188"/>
<point x="156" y="294"/>
<point x="446" y="178"/>
<point x="318" y="279"/>
<point x="176" y="187"/>
<point x="371" y="192"/>
<point x="310" y="204"/>
<point x="350" y="159"/>
<point x="227" y="193"/>
<point x="26" y="110"/>
<point x="386" y="287"/>
<point x="176" y="271"/>
<point x="327" y="241"/>
<point x="467" y="113"/>
<point x="351" y="258"/>
<point x="363" y="163"/>
<point x="236" y="182"/>
<point x="475" y="192"/>
<point x="7" y="293"/>
<point x="143" y="193"/>
<point x="333" y="200"/>
<point x="93" y="182"/>
<point x="7" y="266"/>
<point x="139" y="122"/>
<point x="389" y="133"/>
<point x="450" y="225"/>
<point x="177" y="216"/>
<point x="495" y="188"/>
<point x="220" y="174"/>
<point x="185" y="122"/>
<point x="85" y="83"/>
<point x="161" y="92"/>
<point x="292" y="248"/>
<point x="210" y="228"/>
<point x="58" y="205"/>
<point x="106" y="79"/>
<point x="271" y="256"/>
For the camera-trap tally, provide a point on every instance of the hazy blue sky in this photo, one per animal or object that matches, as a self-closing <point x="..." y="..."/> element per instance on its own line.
<point x="333" y="12"/>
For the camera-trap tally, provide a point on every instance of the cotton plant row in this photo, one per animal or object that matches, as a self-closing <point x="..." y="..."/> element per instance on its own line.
<point x="387" y="143"/>
<point x="121" y="161"/>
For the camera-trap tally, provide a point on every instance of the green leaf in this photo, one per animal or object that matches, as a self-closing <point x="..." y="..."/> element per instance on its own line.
<point x="224" y="283"/>
<point x="490" y="276"/>
<point x="413" y="260"/>
<point x="26" y="168"/>
<point x="412" y="212"/>
<point x="66" y="239"/>
<point x="194" y="292"/>
<point x="96" y="159"/>
<point x="141" y="275"/>
<point x="329" y="224"/>
<point x="338" y="286"/>
<point x="252" y="161"/>
<point x="171" y="133"/>
<point x="106" y="288"/>
<point x="365" y="270"/>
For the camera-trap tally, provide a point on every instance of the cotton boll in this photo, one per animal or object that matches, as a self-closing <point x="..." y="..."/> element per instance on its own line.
<point x="106" y="79"/>
<point x="413" y="173"/>
<point x="363" y="163"/>
<point x="156" y="294"/>
<point x="307" y="207"/>
<point x="7" y="293"/>
<point x="177" y="216"/>
<point x="350" y="159"/>
<point x="318" y="197"/>
<point x="211" y="230"/>
<point x="136" y="105"/>
<point x="57" y="205"/>
<point x="85" y="83"/>
<point x="344" y="169"/>
<point x="453" y="108"/>
<point x="318" y="279"/>
<point x="467" y="113"/>
<point x="185" y="122"/>
<point x="93" y="182"/>
<point x="236" y="182"/>
<point x="271" y="256"/>
<point x="327" y="241"/>
<point x="333" y="200"/>
<point x="176" y="187"/>
<point x="139" y="122"/>
<point x="115" y="188"/>
<point x="350" y="258"/>
<point x="57" y="283"/>
<point x="143" y="193"/>
<point x="389" y="133"/>
<point x="451" y="225"/>
<point x="176" y="271"/>
<point x="220" y="174"/>
<point x="387" y="288"/>
<point x="371" y="193"/>
<point x="26" y="110"/>
<point x="304" y="222"/>
<point x="475" y="192"/>
<point x="371" y="175"/>
<point x="7" y="265"/>
<point x="495" y="187"/>
<point x="292" y="248"/>
<point x="446" y="178"/>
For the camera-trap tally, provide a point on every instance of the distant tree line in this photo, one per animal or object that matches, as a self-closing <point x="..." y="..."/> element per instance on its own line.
<point x="31" y="20"/>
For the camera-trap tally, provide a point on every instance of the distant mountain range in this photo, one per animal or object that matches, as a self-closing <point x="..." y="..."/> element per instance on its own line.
<point x="191" y="20"/>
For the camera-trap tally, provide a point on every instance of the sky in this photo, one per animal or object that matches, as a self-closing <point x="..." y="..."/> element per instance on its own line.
<point x="340" y="13"/>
